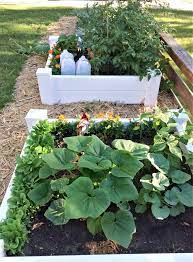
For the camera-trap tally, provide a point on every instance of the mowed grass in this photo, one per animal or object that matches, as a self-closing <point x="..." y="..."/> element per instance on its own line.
<point x="18" y="26"/>
<point x="179" y="24"/>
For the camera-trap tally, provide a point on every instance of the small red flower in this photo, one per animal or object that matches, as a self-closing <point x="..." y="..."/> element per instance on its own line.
<point x="50" y="51"/>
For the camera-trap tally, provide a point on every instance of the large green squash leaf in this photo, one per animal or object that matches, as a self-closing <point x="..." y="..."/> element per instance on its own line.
<point x="56" y="212"/>
<point x="47" y="171"/>
<point x="159" y="162"/>
<point x="60" y="159"/>
<point x="84" y="201"/>
<point x="120" y="189"/>
<point x="97" y="148"/>
<point x="59" y="184"/>
<point x="140" y="151"/>
<point x="78" y="143"/>
<point x="41" y="193"/>
<point x="94" y="176"/>
<point x="94" y="163"/>
<point x="126" y="165"/>
<point x="119" y="227"/>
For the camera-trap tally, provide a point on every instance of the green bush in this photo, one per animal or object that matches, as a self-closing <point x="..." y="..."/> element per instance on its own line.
<point x="124" y="39"/>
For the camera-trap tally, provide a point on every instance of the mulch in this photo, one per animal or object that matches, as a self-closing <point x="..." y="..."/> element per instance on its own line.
<point x="13" y="129"/>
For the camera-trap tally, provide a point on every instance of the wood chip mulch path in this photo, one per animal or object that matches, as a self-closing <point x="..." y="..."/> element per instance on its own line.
<point x="13" y="129"/>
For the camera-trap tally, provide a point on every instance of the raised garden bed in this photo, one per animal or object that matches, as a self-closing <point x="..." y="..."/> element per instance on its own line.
<point x="60" y="89"/>
<point x="125" y="60"/>
<point x="23" y="209"/>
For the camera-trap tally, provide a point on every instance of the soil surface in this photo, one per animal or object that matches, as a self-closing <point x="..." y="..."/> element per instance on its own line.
<point x="171" y="235"/>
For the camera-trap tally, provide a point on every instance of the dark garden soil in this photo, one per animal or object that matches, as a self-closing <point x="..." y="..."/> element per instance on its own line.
<point x="153" y="236"/>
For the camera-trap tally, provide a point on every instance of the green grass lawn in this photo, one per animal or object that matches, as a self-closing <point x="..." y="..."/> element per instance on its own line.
<point x="17" y="26"/>
<point x="180" y="25"/>
<point x="21" y="24"/>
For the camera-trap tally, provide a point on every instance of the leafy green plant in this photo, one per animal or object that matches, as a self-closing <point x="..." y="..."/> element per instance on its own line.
<point x="81" y="194"/>
<point x="84" y="178"/>
<point x="123" y="39"/>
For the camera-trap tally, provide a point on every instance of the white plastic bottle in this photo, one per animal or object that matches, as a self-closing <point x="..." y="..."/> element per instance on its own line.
<point x="65" y="54"/>
<point x="68" y="66"/>
<point x="83" y="66"/>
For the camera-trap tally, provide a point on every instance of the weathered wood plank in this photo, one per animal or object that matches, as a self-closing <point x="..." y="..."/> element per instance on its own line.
<point x="180" y="56"/>
<point x="181" y="88"/>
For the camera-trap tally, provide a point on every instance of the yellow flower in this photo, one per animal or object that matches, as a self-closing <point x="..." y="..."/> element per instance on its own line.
<point x="110" y="115"/>
<point x="57" y="66"/>
<point x="100" y="115"/>
<point x="61" y="117"/>
<point x="116" y="118"/>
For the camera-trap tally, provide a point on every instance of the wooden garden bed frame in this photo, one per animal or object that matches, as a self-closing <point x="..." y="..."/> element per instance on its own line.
<point x="185" y="63"/>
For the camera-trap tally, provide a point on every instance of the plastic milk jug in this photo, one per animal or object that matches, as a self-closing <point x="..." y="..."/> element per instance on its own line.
<point x="83" y="66"/>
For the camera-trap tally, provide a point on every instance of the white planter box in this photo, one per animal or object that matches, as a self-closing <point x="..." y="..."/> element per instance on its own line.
<point x="60" y="89"/>
<point x="33" y="116"/>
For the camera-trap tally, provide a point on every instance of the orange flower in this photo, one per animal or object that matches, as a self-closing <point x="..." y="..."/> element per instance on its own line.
<point x="110" y="115"/>
<point x="50" y="51"/>
<point x="57" y="66"/>
<point x="100" y="115"/>
<point x="61" y="117"/>
<point x="57" y="57"/>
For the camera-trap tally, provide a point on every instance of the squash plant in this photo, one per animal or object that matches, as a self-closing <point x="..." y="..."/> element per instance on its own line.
<point x="85" y="180"/>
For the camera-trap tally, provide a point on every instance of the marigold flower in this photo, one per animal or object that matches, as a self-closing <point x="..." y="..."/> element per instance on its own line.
<point x="57" y="57"/>
<point x="100" y="115"/>
<point x="50" y="51"/>
<point x="61" y="117"/>
<point x="57" y="66"/>
<point x="110" y="115"/>
<point x="116" y="118"/>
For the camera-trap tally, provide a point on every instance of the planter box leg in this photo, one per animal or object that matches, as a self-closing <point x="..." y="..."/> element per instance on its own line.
<point x="47" y="90"/>
<point x="35" y="115"/>
<point x="152" y="90"/>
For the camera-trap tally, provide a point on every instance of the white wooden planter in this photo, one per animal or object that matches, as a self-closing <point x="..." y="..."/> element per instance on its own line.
<point x="60" y="89"/>
<point x="33" y="116"/>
